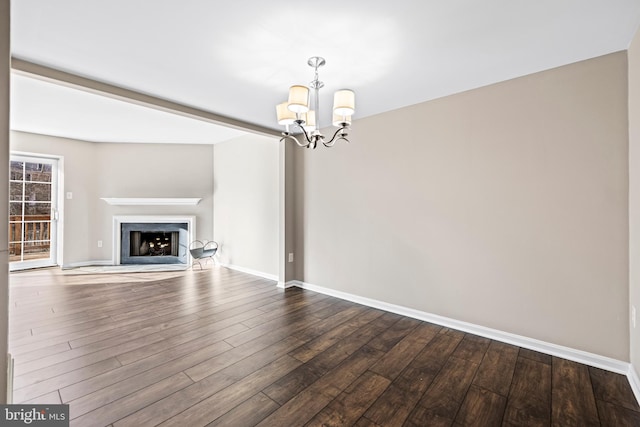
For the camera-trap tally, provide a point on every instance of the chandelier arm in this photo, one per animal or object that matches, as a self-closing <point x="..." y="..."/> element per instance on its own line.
<point x="300" y="144"/>
<point x="286" y="136"/>
<point x="332" y="143"/>
<point x="308" y="137"/>
<point x="333" y="140"/>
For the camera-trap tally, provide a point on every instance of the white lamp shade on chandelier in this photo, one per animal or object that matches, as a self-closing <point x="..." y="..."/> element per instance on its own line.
<point x="297" y="111"/>
<point x="298" y="99"/>
<point x="285" y="116"/>
<point x="344" y="103"/>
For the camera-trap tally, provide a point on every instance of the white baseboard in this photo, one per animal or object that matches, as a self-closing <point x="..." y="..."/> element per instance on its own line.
<point x="575" y="355"/>
<point x="634" y="381"/>
<point x="286" y="285"/>
<point x="87" y="263"/>
<point x="250" y="271"/>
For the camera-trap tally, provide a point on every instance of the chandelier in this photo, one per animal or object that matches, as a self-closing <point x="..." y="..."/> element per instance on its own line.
<point x="296" y="112"/>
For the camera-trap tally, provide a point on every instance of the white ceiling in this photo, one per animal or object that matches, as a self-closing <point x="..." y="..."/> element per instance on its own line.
<point x="51" y="109"/>
<point x="238" y="58"/>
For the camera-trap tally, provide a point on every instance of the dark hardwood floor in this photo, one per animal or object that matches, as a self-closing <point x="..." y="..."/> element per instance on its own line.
<point x="222" y="348"/>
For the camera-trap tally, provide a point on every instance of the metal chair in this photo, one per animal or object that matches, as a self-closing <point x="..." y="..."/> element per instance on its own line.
<point x="202" y="251"/>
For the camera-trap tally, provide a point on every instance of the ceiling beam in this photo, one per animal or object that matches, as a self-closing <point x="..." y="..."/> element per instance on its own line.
<point x="63" y="78"/>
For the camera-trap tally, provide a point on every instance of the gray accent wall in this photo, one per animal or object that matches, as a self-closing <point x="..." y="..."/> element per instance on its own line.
<point x="504" y="206"/>
<point x="95" y="170"/>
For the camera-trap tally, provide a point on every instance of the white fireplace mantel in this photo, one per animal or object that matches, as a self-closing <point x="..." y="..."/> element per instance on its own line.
<point x="152" y="201"/>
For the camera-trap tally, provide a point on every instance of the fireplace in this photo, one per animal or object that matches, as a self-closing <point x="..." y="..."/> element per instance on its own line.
<point x="152" y="239"/>
<point x="154" y="243"/>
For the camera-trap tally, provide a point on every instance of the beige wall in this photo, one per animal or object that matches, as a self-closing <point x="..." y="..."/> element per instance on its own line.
<point x="504" y="206"/>
<point x="246" y="203"/>
<point x="80" y="177"/>
<point x="634" y="195"/>
<point x="5" y="72"/>
<point x="95" y="170"/>
<point x="290" y="217"/>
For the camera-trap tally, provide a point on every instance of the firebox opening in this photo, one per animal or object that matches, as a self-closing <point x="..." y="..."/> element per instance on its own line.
<point x="154" y="243"/>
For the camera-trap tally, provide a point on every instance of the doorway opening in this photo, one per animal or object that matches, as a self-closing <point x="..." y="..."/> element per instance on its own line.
<point x="33" y="212"/>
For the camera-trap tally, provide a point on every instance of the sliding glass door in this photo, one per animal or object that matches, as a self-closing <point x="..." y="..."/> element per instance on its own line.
<point x="33" y="212"/>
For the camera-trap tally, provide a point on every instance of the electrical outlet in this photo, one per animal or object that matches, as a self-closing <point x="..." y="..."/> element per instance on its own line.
<point x="69" y="195"/>
<point x="290" y="256"/>
<point x="633" y="315"/>
<point x="99" y="243"/>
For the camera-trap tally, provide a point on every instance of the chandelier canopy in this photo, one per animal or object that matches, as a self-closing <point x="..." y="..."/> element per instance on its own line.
<point x="296" y="111"/>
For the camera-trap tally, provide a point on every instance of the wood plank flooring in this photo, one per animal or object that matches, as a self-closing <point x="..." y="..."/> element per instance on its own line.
<point x="222" y="348"/>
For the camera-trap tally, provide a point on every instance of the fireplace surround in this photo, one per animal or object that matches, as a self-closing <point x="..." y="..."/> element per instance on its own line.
<point x="152" y="239"/>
